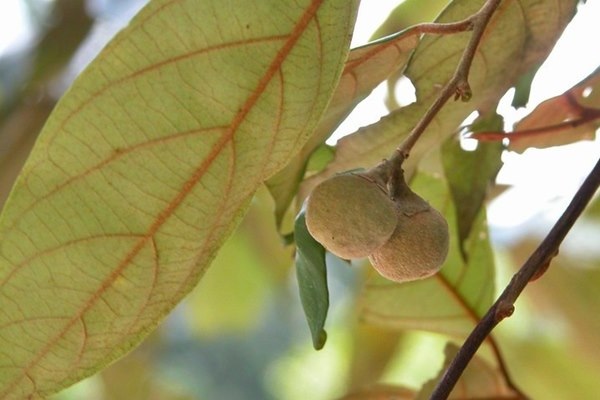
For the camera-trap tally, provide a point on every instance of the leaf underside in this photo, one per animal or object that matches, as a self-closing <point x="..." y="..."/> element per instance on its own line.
<point x="145" y="167"/>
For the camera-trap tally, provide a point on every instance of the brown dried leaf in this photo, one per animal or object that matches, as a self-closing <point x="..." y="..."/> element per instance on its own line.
<point x="567" y="118"/>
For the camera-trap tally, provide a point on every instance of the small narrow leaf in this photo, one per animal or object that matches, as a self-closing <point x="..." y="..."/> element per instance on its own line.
<point x="523" y="88"/>
<point x="311" y="271"/>
<point x="320" y="158"/>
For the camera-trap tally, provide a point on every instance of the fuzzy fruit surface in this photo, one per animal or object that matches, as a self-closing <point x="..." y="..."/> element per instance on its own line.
<point x="350" y="215"/>
<point x="419" y="245"/>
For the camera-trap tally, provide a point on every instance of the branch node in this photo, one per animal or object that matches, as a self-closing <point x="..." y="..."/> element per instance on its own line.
<point x="544" y="267"/>
<point x="503" y="310"/>
<point x="463" y="91"/>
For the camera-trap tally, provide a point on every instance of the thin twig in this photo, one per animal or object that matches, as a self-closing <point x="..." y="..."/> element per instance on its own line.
<point x="533" y="267"/>
<point x="457" y="86"/>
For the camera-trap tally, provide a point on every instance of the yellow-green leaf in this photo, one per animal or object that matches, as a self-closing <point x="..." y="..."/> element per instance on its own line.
<point x="146" y="166"/>
<point x="241" y="277"/>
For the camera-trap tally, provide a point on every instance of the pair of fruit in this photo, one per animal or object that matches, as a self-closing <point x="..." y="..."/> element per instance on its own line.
<point x="353" y="216"/>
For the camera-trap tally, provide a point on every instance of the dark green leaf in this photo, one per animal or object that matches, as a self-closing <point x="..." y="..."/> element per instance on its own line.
<point x="523" y="88"/>
<point x="312" y="280"/>
<point x="470" y="174"/>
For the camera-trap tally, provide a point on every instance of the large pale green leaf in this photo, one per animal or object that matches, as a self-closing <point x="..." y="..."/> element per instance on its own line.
<point x="451" y="301"/>
<point x="520" y="34"/>
<point x="366" y="67"/>
<point x="236" y="287"/>
<point x="145" y="167"/>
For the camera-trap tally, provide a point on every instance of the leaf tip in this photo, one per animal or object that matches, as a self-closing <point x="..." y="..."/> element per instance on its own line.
<point x="319" y="339"/>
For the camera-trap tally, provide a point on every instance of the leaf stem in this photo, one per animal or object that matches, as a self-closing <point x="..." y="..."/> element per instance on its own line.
<point x="590" y="116"/>
<point x="532" y="269"/>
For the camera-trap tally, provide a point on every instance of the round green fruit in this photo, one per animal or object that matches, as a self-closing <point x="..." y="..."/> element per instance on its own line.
<point x="419" y="245"/>
<point x="351" y="215"/>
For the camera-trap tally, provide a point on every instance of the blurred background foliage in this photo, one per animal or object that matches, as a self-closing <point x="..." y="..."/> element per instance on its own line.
<point x="241" y="333"/>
